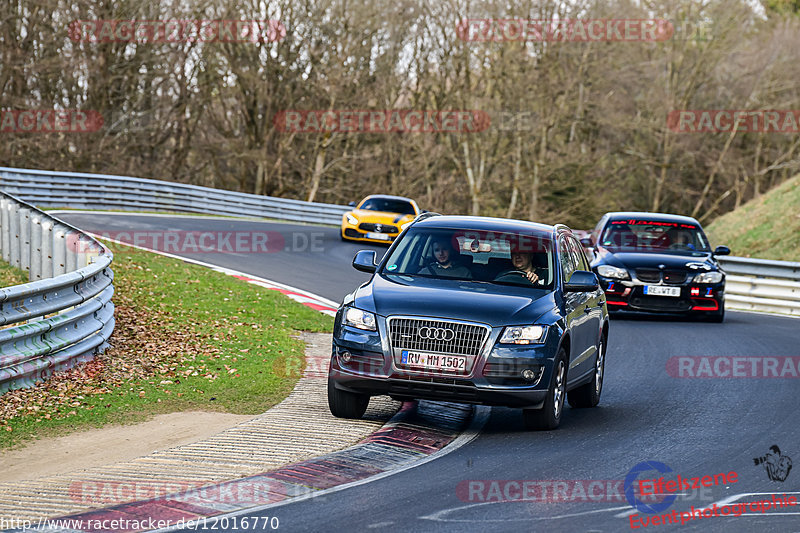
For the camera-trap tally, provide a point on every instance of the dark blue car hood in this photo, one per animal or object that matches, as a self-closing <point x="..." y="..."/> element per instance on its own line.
<point x="474" y="301"/>
<point x="691" y="261"/>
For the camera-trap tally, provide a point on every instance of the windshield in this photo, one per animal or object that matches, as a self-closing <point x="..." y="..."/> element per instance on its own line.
<point x="644" y="235"/>
<point x="388" y="206"/>
<point x="469" y="255"/>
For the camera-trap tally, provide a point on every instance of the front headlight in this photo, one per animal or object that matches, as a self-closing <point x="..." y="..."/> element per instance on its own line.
<point x="608" y="271"/>
<point x="359" y="319"/>
<point x="523" y="335"/>
<point x="404" y="226"/>
<point x="351" y="219"/>
<point x="708" y="277"/>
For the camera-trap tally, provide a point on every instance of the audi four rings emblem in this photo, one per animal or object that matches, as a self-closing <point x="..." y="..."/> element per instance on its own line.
<point x="436" y="334"/>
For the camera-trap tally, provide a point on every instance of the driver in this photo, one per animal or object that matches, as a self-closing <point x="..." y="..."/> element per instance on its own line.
<point x="446" y="264"/>
<point x="682" y="240"/>
<point x="523" y="266"/>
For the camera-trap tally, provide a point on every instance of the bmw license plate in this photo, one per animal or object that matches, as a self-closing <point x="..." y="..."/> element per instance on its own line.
<point x="379" y="236"/>
<point x="434" y="361"/>
<point x="660" y="290"/>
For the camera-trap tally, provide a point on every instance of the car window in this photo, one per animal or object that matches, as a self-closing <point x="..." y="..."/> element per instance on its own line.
<point x="472" y="256"/>
<point x="388" y="205"/>
<point x="653" y="235"/>
<point x="566" y="259"/>
<point x="578" y="255"/>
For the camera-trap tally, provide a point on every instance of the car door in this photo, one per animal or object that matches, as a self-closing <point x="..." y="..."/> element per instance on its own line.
<point x="584" y="320"/>
<point x="574" y="305"/>
<point x="593" y="309"/>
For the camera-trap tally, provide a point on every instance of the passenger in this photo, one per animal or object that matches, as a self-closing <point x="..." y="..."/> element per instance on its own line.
<point x="682" y="241"/>
<point x="447" y="264"/>
<point x="523" y="266"/>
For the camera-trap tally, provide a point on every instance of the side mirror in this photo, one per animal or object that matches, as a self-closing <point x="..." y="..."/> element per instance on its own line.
<point x="582" y="281"/>
<point x="365" y="261"/>
<point x="352" y="204"/>
<point x="722" y="250"/>
<point x="586" y="242"/>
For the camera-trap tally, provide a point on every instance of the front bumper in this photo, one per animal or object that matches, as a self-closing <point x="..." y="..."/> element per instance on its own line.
<point x="353" y="232"/>
<point x="494" y="376"/>
<point x="695" y="298"/>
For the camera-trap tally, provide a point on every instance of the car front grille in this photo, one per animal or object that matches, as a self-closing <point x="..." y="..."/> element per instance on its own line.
<point x="648" y="275"/>
<point x="660" y="303"/>
<point x="674" y="277"/>
<point x="467" y="339"/>
<point x="652" y="275"/>
<point x="384" y="228"/>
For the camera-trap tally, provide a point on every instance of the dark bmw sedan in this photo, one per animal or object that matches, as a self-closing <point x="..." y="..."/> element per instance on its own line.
<point x="658" y="263"/>
<point x="473" y="310"/>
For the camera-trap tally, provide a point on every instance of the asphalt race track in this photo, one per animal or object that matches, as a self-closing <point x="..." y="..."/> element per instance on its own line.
<point x="697" y="427"/>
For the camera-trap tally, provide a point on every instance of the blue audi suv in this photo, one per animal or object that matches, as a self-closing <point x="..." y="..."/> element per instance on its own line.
<point x="473" y="310"/>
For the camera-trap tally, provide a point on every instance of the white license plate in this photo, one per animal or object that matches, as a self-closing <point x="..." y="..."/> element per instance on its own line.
<point x="660" y="290"/>
<point x="433" y="361"/>
<point x="379" y="236"/>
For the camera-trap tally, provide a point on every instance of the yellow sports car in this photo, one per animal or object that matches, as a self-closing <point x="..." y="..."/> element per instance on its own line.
<point x="378" y="218"/>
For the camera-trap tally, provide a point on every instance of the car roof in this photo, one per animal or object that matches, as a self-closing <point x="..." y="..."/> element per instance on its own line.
<point x="484" y="223"/>
<point x="388" y="197"/>
<point x="657" y="217"/>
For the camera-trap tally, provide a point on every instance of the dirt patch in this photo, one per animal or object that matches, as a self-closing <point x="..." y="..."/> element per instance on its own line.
<point x="113" y="444"/>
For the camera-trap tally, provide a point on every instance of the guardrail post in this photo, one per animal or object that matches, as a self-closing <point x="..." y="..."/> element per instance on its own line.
<point x="59" y="250"/>
<point x="70" y="243"/>
<point x="13" y="218"/>
<point x="47" y="249"/>
<point x="25" y="239"/>
<point x="36" y="248"/>
<point x="5" y="229"/>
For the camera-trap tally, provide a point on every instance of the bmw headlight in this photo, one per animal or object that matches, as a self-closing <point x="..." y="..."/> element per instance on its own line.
<point x="523" y="335"/>
<point x="351" y="219"/>
<point x="360" y="319"/>
<point x="608" y="271"/>
<point x="708" y="277"/>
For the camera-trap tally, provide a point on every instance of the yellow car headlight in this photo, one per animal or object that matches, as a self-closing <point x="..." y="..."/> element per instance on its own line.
<point x="351" y="219"/>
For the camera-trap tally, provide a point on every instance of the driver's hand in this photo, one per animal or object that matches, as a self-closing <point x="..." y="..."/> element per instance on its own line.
<point x="532" y="277"/>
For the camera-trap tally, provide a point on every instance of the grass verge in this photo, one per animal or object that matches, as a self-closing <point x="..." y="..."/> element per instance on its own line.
<point x="10" y="275"/>
<point x="186" y="338"/>
<point x="767" y="227"/>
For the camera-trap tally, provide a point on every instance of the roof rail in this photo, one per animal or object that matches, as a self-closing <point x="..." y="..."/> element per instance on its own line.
<point x="427" y="214"/>
<point x="562" y="227"/>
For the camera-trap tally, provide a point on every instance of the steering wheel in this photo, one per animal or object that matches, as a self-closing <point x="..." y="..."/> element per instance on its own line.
<point x="678" y="246"/>
<point x="513" y="273"/>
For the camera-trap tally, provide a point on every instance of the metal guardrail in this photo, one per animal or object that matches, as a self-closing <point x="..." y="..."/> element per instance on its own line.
<point x="97" y="191"/>
<point x="62" y="317"/>
<point x="751" y="283"/>
<point x="762" y="285"/>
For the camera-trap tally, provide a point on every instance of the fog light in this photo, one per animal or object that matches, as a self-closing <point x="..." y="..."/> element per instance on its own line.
<point x="345" y="356"/>
<point x="528" y="375"/>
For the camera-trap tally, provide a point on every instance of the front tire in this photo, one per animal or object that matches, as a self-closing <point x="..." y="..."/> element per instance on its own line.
<point x="589" y="395"/>
<point x="345" y="404"/>
<point x="549" y="416"/>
